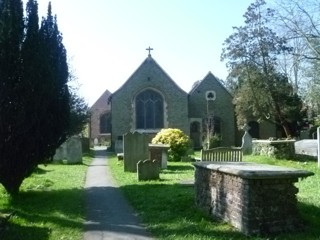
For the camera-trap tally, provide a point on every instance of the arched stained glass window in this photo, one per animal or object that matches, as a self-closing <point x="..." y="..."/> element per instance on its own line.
<point x="149" y="110"/>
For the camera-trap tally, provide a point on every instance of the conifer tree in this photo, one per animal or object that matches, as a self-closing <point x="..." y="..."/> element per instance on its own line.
<point x="35" y="102"/>
<point x="11" y="108"/>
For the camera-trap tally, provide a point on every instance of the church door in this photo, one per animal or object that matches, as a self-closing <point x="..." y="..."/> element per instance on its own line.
<point x="195" y="134"/>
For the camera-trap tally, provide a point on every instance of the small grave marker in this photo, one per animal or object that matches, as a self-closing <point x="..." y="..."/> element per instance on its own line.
<point x="148" y="170"/>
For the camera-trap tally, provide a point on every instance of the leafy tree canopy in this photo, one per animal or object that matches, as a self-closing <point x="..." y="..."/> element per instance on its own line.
<point x="261" y="90"/>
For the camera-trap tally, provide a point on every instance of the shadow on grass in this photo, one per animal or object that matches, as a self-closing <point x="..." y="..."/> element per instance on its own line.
<point x="40" y="171"/>
<point x="44" y="208"/>
<point x="176" y="168"/>
<point x="170" y="213"/>
<point x="17" y="232"/>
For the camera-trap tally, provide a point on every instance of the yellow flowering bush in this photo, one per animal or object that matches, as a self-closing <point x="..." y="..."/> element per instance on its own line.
<point x="179" y="142"/>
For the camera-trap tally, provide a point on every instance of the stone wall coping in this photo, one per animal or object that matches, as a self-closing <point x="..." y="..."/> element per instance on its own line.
<point x="274" y="141"/>
<point x="250" y="170"/>
<point x="161" y="146"/>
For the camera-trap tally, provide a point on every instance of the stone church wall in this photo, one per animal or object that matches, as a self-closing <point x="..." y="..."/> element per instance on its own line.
<point x="148" y="76"/>
<point x="222" y="107"/>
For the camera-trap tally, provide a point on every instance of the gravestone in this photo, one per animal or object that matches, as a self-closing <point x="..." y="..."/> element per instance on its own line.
<point x="74" y="150"/>
<point x="61" y="153"/>
<point x="70" y="151"/>
<point x="96" y="142"/>
<point x="148" y="170"/>
<point x="246" y="141"/>
<point x="135" y="148"/>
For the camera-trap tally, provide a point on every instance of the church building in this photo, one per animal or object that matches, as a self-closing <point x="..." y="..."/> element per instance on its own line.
<point x="150" y="100"/>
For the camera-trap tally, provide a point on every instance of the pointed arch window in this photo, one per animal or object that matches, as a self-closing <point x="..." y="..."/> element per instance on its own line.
<point x="149" y="110"/>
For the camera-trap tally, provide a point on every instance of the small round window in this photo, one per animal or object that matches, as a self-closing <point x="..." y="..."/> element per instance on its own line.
<point x="211" y="95"/>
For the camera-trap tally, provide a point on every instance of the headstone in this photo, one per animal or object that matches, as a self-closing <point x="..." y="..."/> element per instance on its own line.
<point x="61" y="153"/>
<point x="74" y="150"/>
<point x="70" y="151"/>
<point x="148" y="170"/>
<point x="135" y="148"/>
<point x="246" y="141"/>
<point x="96" y="142"/>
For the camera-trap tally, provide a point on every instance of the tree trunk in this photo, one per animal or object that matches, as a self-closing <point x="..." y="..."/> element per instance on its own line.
<point x="12" y="185"/>
<point x="286" y="128"/>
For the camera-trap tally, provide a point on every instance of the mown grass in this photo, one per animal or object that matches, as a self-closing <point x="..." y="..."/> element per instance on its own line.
<point x="167" y="206"/>
<point x="50" y="204"/>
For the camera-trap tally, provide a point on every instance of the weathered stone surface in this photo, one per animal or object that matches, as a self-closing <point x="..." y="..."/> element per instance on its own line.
<point x="74" y="150"/>
<point x="246" y="141"/>
<point x="221" y="108"/>
<point x="253" y="203"/>
<point x="148" y="170"/>
<point x="308" y="147"/>
<point x="135" y="148"/>
<point x="149" y="75"/>
<point x="159" y="152"/>
<point x="70" y="151"/>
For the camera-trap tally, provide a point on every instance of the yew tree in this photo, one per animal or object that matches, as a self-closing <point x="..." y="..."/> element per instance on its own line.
<point x="261" y="90"/>
<point x="35" y="102"/>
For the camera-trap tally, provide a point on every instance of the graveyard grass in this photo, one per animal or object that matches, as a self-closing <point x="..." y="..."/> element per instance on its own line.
<point x="50" y="204"/>
<point x="167" y="206"/>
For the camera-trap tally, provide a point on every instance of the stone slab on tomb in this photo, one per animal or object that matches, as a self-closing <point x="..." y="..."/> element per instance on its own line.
<point x="258" y="199"/>
<point x="159" y="152"/>
<point x="308" y="147"/>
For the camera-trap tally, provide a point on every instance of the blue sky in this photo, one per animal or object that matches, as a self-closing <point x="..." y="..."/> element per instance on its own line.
<point x="106" y="39"/>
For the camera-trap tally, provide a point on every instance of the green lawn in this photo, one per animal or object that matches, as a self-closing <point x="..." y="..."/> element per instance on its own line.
<point x="50" y="204"/>
<point x="167" y="206"/>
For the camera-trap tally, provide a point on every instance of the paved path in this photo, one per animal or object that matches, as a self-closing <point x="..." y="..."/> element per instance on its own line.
<point x="108" y="214"/>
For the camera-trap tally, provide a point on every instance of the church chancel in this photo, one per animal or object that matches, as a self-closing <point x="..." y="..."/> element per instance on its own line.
<point x="151" y="100"/>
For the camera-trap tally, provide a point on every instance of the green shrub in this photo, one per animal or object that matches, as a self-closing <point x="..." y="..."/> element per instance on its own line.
<point x="178" y="141"/>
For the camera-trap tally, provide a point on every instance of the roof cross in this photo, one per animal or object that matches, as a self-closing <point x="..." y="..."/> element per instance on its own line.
<point x="149" y="49"/>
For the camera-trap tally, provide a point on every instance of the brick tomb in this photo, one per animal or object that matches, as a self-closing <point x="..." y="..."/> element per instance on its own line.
<point x="257" y="199"/>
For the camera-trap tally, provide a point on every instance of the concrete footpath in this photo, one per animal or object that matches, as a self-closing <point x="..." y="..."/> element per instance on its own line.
<point x="108" y="215"/>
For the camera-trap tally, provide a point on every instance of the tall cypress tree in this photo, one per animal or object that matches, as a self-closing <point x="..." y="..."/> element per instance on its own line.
<point x="11" y="108"/>
<point x="34" y="95"/>
<point x="56" y="73"/>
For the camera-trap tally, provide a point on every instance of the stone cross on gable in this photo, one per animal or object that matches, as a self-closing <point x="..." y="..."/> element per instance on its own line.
<point x="149" y="49"/>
